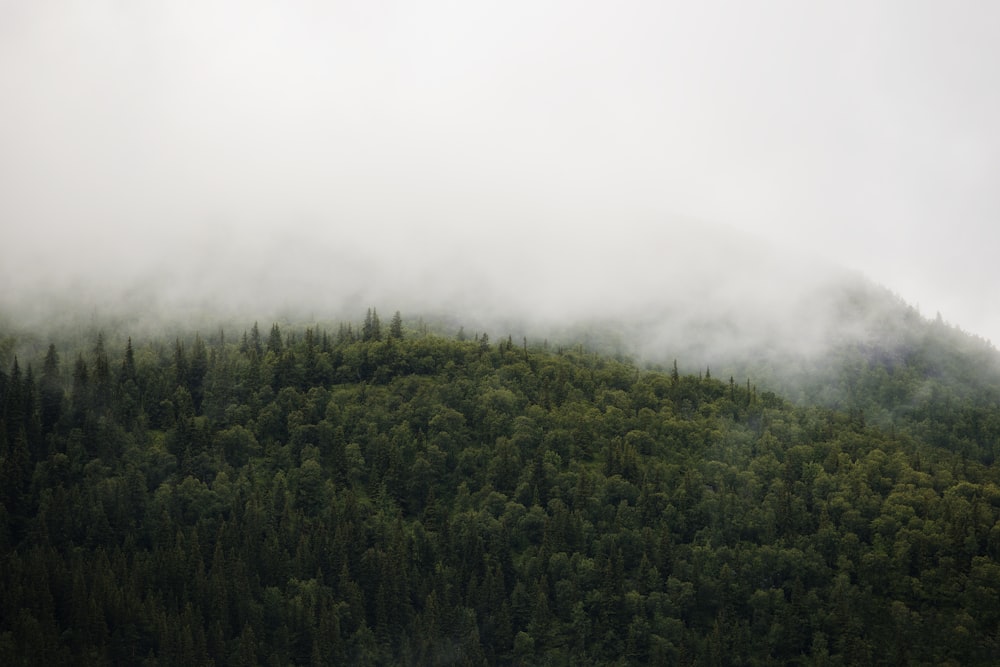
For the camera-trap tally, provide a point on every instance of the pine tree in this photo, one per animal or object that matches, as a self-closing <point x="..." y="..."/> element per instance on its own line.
<point x="255" y="344"/>
<point x="51" y="390"/>
<point x="345" y="334"/>
<point x="102" y="376"/>
<point x="180" y="364"/>
<point x="128" y="363"/>
<point x="32" y="422"/>
<point x="274" y="342"/>
<point x="396" y="326"/>
<point x="372" y="328"/>
<point x="12" y="410"/>
<point x="127" y="394"/>
<point x="195" y="381"/>
<point x="81" y="397"/>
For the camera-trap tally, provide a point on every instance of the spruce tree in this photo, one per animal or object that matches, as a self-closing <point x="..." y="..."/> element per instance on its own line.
<point x="51" y="390"/>
<point x="128" y="364"/>
<point x="396" y="326"/>
<point x="197" y="368"/>
<point x="81" y="395"/>
<point x="13" y="404"/>
<point x="102" y="376"/>
<point x="274" y="343"/>
<point x="372" y="328"/>
<point x="255" y="344"/>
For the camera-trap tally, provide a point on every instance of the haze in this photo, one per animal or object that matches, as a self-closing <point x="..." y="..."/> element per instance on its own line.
<point x="566" y="159"/>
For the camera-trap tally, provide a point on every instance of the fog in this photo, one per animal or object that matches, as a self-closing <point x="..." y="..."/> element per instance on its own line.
<point x="500" y="162"/>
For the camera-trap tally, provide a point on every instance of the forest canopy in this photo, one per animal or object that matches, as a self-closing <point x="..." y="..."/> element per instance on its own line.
<point x="382" y="494"/>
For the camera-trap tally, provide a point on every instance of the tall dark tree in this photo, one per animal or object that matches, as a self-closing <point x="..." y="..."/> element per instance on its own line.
<point x="396" y="326"/>
<point x="128" y="403"/>
<point x="51" y="393"/>
<point x="372" y="328"/>
<point x="274" y="341"/>
<point x="32" y="417"/>
<point x="128" y="364"/>
<point x="181" y="367"/>
<point x="102" y="383"/>
<point x="310" y="360"/>
<point x="81" y="398"/>
<point x="255" y="340"/>
<point x="197" y="368"/>
<point x="13" y="408"/>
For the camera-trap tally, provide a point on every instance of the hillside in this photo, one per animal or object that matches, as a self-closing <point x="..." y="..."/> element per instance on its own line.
<point x="900" y="370"/>
<point x="383" y="495"/>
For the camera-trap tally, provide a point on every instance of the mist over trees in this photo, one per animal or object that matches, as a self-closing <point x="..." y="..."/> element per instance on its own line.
<point x="371" y="494"/>
<point x="606" y="432"/>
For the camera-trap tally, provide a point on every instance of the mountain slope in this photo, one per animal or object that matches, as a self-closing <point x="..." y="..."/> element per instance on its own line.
<point x="901" y="371"/>
<point x="378" y="495"/>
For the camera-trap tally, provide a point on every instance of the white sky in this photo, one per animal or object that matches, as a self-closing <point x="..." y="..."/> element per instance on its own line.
<point x="452" y="142"/>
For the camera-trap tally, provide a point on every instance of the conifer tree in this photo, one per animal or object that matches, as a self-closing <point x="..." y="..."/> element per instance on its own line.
<point x="274" y="342"/>
<point x="32" y="424"/>
<point x="195" y="381"/>
<point x="51" y="390"/>
<point x="372" y="328"/>
<point x="396" y="326"/>
<point x="13" y="404"/>
<point x="81" y="399"/>
<point x="180" y="364"/>
<point x="345" y="334"/>
<point x="102" y="376"/>
<point x="255" y="342"/>
<point x="128" y="364"/>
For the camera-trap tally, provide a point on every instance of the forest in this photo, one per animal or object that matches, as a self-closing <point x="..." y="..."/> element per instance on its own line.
<point x="374" y="494"/>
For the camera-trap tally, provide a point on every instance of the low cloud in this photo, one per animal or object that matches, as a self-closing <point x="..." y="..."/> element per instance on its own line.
<point x="546" y="162"/>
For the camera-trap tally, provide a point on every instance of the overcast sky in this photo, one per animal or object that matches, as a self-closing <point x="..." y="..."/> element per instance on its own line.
<point x="451" y="143"/>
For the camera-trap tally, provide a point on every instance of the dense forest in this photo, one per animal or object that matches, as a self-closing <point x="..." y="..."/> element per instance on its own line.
<point x="381" y="494"/>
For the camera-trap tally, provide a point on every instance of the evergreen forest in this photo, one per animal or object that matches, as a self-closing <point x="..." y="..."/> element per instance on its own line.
<point x="384" y="494"/>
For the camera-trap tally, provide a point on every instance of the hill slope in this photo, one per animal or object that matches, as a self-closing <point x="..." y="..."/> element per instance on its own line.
<point x="390" y="496"/>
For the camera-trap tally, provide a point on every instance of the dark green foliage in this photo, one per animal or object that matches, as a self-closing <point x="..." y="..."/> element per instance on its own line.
<point x="51" y="393"/>
<point x="422" y="500"/>
<point x="396" y="326"/>
<point x="372" y="328"/>
<point x="275" y="344"/>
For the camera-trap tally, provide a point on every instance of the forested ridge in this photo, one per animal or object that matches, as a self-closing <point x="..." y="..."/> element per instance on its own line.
<point x="379" y="494"/>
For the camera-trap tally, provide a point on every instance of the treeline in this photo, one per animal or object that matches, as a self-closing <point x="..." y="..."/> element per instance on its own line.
<point x="378" y="495"/>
